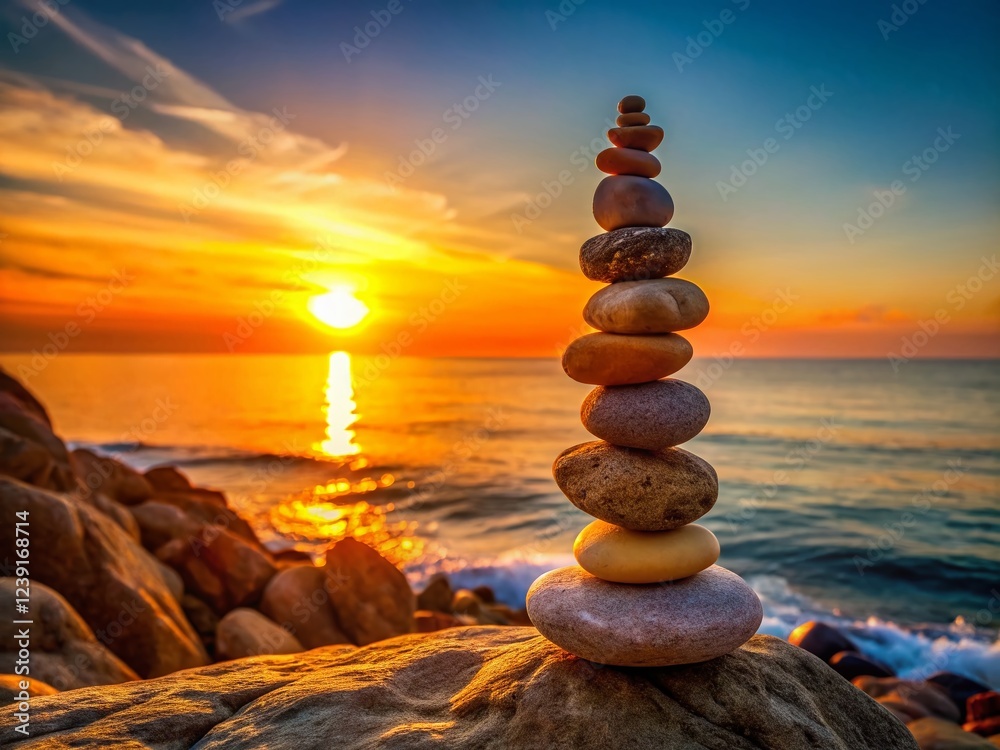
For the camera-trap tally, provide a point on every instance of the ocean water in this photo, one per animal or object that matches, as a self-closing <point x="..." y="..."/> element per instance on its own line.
<point x="849" y="492"/>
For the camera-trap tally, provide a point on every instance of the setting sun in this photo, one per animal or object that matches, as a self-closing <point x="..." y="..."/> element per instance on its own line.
<point x="338" y="308"/>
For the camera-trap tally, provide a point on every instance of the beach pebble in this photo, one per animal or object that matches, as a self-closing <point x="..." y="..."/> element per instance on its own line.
<point x="653" y="306"/>
<point x="615" y="554"/>
<point x="642" y="137"/>
<point x="613" y="359"/>
<point x="687" y="621"/>
<point x="629" y="201"/>
<point x="635" y="254"/>
<point x="637" y="489"/>
<point x="851" y="664"/>
<point x="958" y="688"/>
<point x="627" y="161"/>
<point x="631" y="103"/>
<point x="821" y="640"/>
<point x="632" y="119"/>
<point x="939" y="734"/>
<point x="652" y="415"/>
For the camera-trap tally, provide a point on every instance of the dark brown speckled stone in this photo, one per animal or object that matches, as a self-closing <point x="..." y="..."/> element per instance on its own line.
<point x="634" y="254"/>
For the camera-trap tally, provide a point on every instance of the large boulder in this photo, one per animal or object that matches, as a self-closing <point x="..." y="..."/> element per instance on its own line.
<point x="110" y="477"/>
<point x="246" y="632"/>
<point x="12" y="387"/>
<point x="108" y="578"/>
<point x="479" y="687"/>
<point x="298" y="599"/>
<point x="371" y="597"/>
<point x="940" y="734"/>
<point x="64" y="651"/>
<point x="221" y="568"/>
<point x="27" y="439"/>
<point x="821" y="639"/>
<point x="12" y="687"/>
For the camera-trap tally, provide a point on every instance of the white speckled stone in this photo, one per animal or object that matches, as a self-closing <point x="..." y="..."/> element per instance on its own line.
<point x="649" y="625"/>
<point x="648" y="415"/>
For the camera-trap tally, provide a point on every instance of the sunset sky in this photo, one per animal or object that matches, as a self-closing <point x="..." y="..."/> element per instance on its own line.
<point x="185" y="176"/>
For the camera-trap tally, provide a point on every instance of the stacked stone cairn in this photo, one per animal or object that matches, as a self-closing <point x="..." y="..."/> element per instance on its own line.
<point x="646" y="591"/>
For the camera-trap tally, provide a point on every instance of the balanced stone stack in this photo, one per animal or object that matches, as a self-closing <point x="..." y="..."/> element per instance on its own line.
<point x="646" y="590"/>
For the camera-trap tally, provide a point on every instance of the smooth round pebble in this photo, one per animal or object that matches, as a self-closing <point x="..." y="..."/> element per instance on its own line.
<point x="642" y="137"/>
<point x="631" y="103"/>
<point x="635" y="254"/>
<point x="615" y="554"/>
<point x="627" y="161"/>
<point x="637" y="489"/>
<point x="632" y="119"/>
<point x="614" y="359"/>
<point x="654" y="306"/>
<point x="630" y="201"/>
<point x="653" y="625"/>
<point x="651" y="416"/>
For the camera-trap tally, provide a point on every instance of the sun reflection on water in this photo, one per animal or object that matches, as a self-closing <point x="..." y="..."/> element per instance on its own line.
<point x="339" y="409"/>
<point x="328" y="512"/>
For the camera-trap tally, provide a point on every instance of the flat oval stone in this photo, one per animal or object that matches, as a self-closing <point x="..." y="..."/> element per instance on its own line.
<point x="628" y="161"/>
<point x="615" y="554"/>
<point x="631" y="103"/>
<point x="654" y="306"/>
<point x="636" y="489"/>
<point x="651" y="416"/>
<point x="613" y="359"/>
<point x="642" y="137"/>
<point x="630" y="201"/>
<point x="653" y="625"/>
<point x="635" y="254"/>
<point x="631" y="119"/>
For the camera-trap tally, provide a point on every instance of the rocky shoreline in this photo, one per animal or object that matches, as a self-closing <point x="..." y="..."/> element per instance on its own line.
<point x="160" y="620"/>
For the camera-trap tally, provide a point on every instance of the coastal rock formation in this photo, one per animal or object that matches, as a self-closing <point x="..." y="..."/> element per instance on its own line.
<point x="64" y="651"/>
<point x="298" y="599"/>
<point x="477" y="687"/>
<point x="113" y="583"/>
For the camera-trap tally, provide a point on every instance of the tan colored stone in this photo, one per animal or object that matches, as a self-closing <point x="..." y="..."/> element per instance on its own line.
<point x="631" y="103"/>
<point x="298" y="599"/>
<point x="631" y="119"/>
<point x="646" y="415"/>
<point x="628" y="161"/>
<point x="654" y="306"/>
<point x="371" y="597"/>
<point x="615" y="554"/>
<point x="615" y="359"/>
<point x="246" y="632"/>
<point x="642" y="137"/>
<point x="939" y="734"/>
<point x="688" y="621"/>
<point x="637" y="489"/>
<point x="629" y="201"/>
